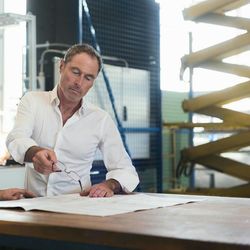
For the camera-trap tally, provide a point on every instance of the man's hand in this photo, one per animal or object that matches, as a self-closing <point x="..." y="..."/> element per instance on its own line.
<point x="42" y="158"/>
<point x="15" y="194"/>
<point x="105" y="189"/>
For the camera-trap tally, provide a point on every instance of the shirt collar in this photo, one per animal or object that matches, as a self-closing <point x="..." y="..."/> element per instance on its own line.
<point x="54" y="99"/>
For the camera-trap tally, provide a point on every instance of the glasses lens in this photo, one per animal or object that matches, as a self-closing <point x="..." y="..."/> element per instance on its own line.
<point x="73" y="175"/>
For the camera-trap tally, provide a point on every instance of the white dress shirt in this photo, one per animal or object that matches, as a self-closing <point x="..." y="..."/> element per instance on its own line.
<point x="39" y="123"/>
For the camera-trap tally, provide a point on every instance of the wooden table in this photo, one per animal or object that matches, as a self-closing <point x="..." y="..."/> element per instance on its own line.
<point x="214" y="223"/>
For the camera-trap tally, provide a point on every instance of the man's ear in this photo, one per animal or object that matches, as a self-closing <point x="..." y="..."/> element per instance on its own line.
<point x="62" y="64"/>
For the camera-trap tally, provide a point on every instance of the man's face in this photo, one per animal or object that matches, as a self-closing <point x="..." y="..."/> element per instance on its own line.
<point x="77" y="77"/>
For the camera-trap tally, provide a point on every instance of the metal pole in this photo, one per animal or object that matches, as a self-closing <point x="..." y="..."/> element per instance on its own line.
<point x="190" y="114"/>
<point x="80" y="26"/>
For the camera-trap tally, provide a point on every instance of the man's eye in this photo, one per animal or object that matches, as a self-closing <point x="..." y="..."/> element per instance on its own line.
<point x="75" y="72"/>
<point x="89" y="78"/>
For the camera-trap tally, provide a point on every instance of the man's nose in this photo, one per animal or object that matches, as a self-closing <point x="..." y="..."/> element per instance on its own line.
<point x="79" y="80"/>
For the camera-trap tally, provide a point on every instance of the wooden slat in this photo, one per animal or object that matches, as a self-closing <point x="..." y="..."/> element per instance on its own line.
<point x="227" y="166"/>
<point x="215" y="147"/>
<point x="223" y="20"/>
<point x="221" y="97"/>
<point x="233" y="5"/>
<point x="216" y="126"/>
<point x="204" y="7"/>
<point x="222" y="50"/>
<point x="235" y="69"/>
<point x="227" y="115"/>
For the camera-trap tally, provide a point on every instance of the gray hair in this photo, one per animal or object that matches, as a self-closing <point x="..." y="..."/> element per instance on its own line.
<point x="83" y="48"/>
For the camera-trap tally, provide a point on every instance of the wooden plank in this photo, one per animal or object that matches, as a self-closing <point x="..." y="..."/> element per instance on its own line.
<point x="227" y="166"/>
<point x="235" y="191"/>
<point x="227" y="115"/>
<point x="235" y="69"/>
<point x="216" y="126"/>
<point x="221" y="97"/>
<point x="213" y="223"/>
<point x="225" y="49"/>
<point x="233" y="5"/>
<point x="223" y="20"/>
<point x="233" y="142"/>
<point x="204" y="7"/>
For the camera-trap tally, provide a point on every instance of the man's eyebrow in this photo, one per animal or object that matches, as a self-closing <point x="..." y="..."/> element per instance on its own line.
<point x="74" y="67"/>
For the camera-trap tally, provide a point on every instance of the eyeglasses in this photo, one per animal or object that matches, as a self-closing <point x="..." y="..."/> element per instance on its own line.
<point x="60" y="167"/>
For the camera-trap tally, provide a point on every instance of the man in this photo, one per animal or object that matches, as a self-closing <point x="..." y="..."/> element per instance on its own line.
<point x="14" y="194"/>
<point x="58" y="132"/>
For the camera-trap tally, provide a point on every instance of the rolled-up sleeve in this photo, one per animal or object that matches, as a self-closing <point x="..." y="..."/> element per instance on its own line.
<point x="116" y="159"/>
<point x="19" y="139"/>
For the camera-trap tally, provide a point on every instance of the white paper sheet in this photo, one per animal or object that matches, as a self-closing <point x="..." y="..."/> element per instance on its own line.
<point x="118" y="204"/>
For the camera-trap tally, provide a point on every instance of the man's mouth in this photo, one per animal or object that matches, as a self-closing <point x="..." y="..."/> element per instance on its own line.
<point x="75" y="90"/>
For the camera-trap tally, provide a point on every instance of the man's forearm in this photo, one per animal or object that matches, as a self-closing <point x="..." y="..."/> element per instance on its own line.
<point x="1" y="195"/>
<point x="30" y="153"/>
<point x="114" y="185"/>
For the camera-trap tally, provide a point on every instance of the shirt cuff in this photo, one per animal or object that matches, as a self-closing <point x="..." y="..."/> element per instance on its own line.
<point x="19" y="147"/>
<point x="127" y="179"/>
